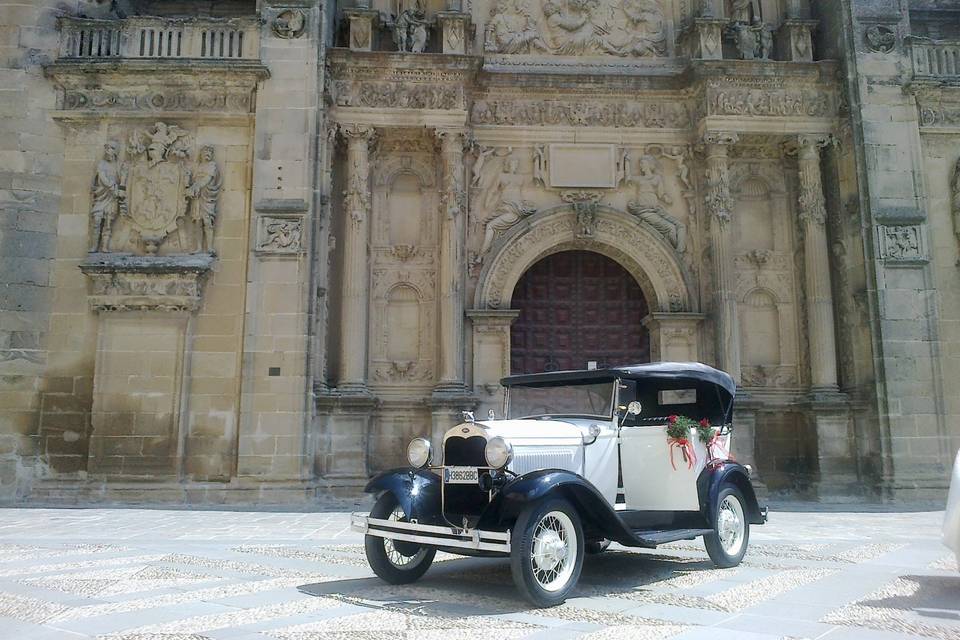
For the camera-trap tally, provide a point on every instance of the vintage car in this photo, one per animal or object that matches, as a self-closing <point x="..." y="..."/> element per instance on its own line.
<point x="582" y="458"/>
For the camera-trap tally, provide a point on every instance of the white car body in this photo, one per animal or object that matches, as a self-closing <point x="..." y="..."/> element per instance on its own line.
<point x="951" y="521"/>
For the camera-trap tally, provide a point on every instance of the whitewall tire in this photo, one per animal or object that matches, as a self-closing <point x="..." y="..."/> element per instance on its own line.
<point x="547" y="552"/>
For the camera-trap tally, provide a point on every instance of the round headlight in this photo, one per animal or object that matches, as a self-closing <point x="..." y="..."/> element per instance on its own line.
<point x="498" y="452"/>
<point x="419" y="452"/>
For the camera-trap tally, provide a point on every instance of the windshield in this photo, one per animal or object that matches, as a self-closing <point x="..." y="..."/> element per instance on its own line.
<point x="594" y="400"/>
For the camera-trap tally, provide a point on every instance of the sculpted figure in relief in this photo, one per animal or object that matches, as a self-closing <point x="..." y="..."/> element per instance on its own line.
<point x="410" y="29"/>
<point x="511" y="207"/>
<point x="643" y="33"/>
<point x="569" y="24"/>
<point x="109" y="195"/>
<point x="205" y="191"/>
<point x="744" y="11"/>
<point x="512" y="29"/>
<point x="650" y="198"/>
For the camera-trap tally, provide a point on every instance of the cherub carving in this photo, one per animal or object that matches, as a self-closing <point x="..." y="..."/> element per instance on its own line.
<point x="513" y="30"/>
<point x="507" y="194"/>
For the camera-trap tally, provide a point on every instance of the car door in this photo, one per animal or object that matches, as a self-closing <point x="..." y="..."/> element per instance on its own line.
<point x="651" y="482"/>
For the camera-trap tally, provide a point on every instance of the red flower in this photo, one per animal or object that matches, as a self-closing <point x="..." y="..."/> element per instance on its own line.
<point x="705" y="423"/>
<point x="671" y="419"/>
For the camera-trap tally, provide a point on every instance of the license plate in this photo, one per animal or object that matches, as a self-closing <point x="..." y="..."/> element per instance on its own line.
<point x="460" y="475"/>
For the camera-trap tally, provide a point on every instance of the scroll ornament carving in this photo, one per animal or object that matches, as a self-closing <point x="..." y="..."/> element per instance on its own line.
<point x="650" y="199"/>
<point x="671" y="115"/>
<point x="624" y="28"/>
<point x="92" y="98"/>
<point x="155" y="192"/>
<point x="397" y="95"/>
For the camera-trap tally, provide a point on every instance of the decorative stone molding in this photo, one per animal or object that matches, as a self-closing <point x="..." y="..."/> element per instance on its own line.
<point x="230" y="100"/>
<point x="581" y="113"/>
<point x="638" y="247"/>
<point x="675" y="336"/>
<point x="124" y="282"/>
<point x="904" y="244"/>
<point x="707" y="43"/>
<point x="455" y="30"/>
<point x="797" y="39"/>
<point x="363" y="26"/>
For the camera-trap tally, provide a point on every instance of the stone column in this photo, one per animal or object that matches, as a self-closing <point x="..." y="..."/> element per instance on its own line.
<point x="813" y="214"/>
<point x="452" y="265"/>
<point x="356" y="289"/>
<point x="719" y="205"/>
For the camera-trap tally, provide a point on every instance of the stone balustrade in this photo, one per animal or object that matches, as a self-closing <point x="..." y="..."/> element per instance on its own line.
<point x="936" y="60"/>
<point x="152" y="37"/>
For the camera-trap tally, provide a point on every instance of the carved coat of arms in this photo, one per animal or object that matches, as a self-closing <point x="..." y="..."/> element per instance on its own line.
<point x="157" y="183"/>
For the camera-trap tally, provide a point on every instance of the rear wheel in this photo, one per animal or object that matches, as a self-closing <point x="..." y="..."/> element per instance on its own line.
<point x="395" y="561"/>
<point x="547" y="552"/>
<point x="727" y="544"/>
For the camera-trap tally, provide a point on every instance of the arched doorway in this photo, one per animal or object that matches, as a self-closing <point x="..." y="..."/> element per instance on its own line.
<point x="577" y="307"/>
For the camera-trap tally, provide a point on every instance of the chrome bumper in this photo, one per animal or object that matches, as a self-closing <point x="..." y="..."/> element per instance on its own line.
<point x="432" y="535"/>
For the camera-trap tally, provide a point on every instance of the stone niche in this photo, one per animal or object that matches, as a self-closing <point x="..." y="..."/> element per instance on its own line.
<point x="145" y="305"/>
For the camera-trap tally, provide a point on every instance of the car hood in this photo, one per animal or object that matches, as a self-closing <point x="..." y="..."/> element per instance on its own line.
<point x="534" y="432"/>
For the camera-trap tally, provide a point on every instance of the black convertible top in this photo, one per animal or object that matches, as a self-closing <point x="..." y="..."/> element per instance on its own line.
<point x="661" y="375"/>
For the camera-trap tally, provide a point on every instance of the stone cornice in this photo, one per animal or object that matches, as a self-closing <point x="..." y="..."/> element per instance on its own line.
<point x="156" y="70"/>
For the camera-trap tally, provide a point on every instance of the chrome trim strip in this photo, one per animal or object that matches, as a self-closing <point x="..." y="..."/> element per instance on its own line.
<point x="442" y="536"/>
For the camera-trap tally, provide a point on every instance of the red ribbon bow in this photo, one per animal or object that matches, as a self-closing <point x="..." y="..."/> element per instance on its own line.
<point x="686" y="448"/>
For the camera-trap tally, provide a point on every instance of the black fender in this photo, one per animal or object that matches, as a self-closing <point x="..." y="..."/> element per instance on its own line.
<point x="417" y="491"/>
<point x="597" y="515"/>
<point x="712" y="479"/>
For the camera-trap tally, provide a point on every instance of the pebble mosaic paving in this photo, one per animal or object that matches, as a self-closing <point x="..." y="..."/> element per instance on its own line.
<point x="138" y="574"/>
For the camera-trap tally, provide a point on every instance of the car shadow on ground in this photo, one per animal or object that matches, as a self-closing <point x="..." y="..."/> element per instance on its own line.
<point x="926" y="596"/>
<point x="486" y="584"/>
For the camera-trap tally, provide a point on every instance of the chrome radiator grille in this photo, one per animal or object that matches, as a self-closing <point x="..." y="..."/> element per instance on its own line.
<point x="527" y="459"/>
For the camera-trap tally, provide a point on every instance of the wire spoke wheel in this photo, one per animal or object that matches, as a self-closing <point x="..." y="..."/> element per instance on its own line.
<point x="553" y="552"/>
<point x="396" y="557"/>
<point x="728" y="542"/>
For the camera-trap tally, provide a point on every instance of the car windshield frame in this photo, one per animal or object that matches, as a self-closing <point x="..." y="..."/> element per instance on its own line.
<point x="611" y="382"/>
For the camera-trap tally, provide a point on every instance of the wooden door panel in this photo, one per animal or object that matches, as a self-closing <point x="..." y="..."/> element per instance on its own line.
<point x="577" y="306"/>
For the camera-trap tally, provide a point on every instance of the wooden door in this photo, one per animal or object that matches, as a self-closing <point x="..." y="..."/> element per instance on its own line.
<point x="577" y="307"/>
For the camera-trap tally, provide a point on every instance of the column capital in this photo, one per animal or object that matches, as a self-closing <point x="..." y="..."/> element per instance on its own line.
<point x="449" y="138"/>
<point x="355" y="133"/>
<point x="720" y="138"/>
<point x="806" y="145"/>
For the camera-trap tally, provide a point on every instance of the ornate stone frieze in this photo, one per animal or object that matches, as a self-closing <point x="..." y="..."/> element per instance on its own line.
<point x="155" y="191"/>
<point x="768" y="376"/>
<point x="123" y="282"/>
<point x="280" y="234"/>
<point x="397" y="95"/>
<point x="902" y="243"/>
<point x="938" y="109"/>
<point x="769" y="97"/>
<point x="629" y="28"/>
<point x="229" y="100"/>
<point x="581" y="113"/>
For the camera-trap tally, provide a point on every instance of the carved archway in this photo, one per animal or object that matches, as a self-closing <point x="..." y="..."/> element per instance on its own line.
<point x="616" y="234"/>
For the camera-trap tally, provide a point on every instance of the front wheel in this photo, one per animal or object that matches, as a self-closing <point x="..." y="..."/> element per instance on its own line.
<point x="547" y="552"/>
<point x="727" y="544"/>
<point x="395" y="561"/>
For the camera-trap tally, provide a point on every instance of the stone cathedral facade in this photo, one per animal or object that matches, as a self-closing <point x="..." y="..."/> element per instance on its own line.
<point x="250" y="248"/>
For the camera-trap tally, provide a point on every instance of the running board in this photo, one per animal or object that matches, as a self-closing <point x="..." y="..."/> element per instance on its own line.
<point x="652" y="538"/>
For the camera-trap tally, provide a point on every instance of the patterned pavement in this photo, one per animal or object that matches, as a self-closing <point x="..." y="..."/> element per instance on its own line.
<point x="137" y="574"/>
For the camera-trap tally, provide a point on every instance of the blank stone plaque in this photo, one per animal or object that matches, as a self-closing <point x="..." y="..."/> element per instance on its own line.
<point x="583" y="166"/>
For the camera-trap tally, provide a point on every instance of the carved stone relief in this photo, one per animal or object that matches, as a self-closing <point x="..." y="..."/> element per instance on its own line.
<point x="769" y="97"/>
<point x="280" y="234"/>
<point x="902" y="243"/>
<point x="504" y="198"/>
<point x="629" y="28"/>
<point x="153" y="192"/>
<point x="650" y="200"/>
<point x="289" y="24"/>
<point x="349" y="93"/>
<point x="880" y="38"/>
<point x="410" y="29"/>
<point x="586" y="112"/>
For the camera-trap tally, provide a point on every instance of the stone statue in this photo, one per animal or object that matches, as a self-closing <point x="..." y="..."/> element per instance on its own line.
<point x="508" y="191"/>
<point x="476" y="174"/>
<point x="678" y="155"/>
<point x="569" y="24"/>
<point x="649" y="201"/>
<point x="109" y="196"/>
<point x="513" y="30"/>
<point x="764" y="33"/>
<point x="540" y="165"/>
<point x="410" y="30"/>
<point x="205" y="192"/>
<point x="744" y="11"/>
<point x="745" y="40"/>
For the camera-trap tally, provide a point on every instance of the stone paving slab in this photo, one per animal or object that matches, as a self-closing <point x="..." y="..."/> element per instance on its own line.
<point x="151" y="574"/>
